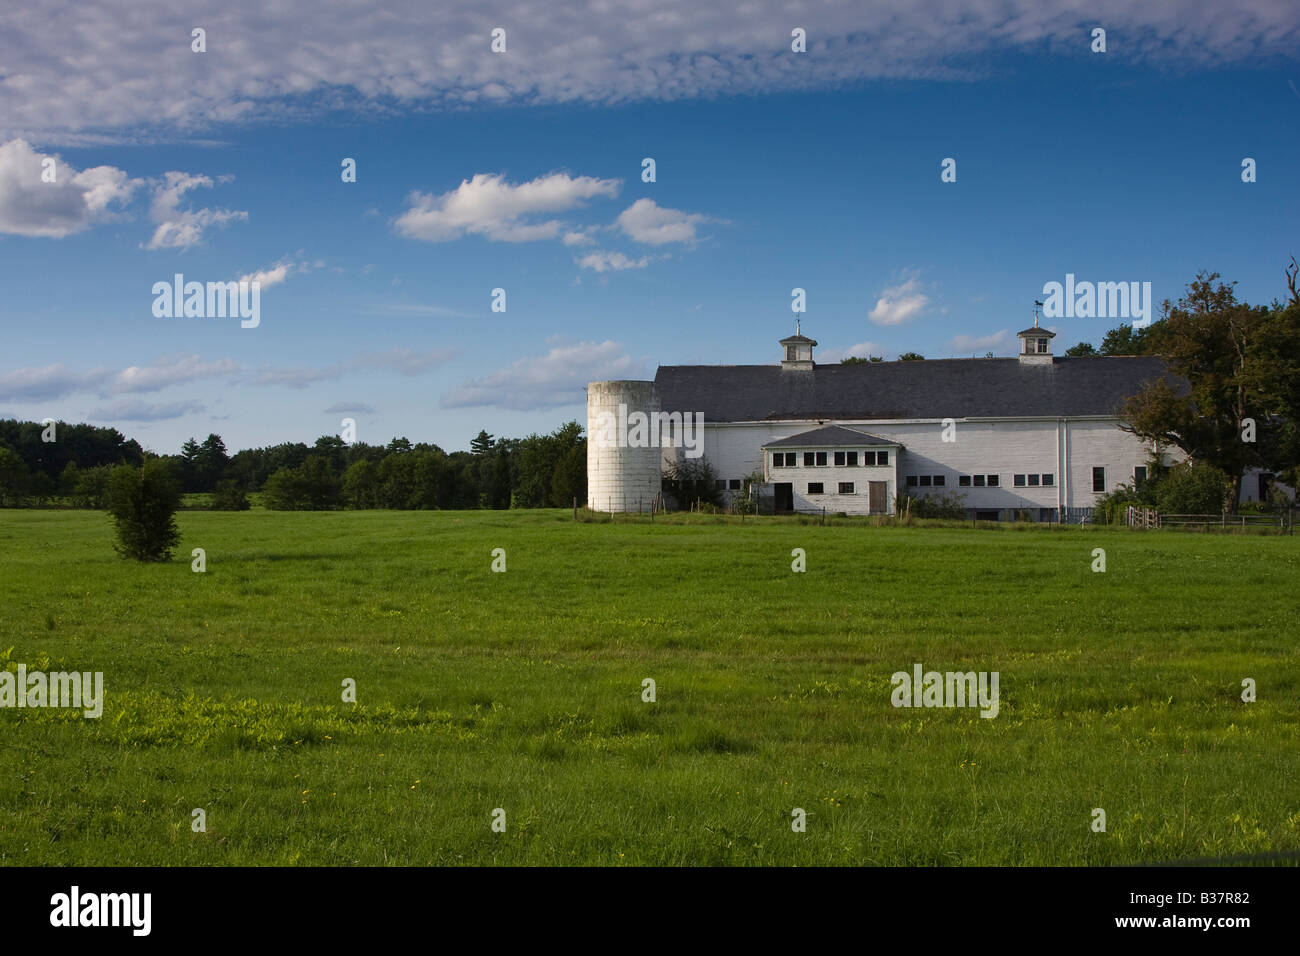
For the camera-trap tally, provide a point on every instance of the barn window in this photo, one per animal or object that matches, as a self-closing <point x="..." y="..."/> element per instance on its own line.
<point x="851" y="457"/>
<point x="882" y="458"/>
<point x="821" y="459"/>
<point x="846" y="487"/>
<point x="1098" y="479"/>
<point x="964" y="481"/>
<point x="735" y="484"/>
<point x="807" y="459"/>
<point x="868" y="458"/>
<point x="938" y="481"/>
<point x="911" y="481"/>
<point x="839" y="459"/>
<point x="1139" y="475"/>
<point x="925" y="481"/>
<point x="1033" y="481"/>
<point x="1042" y="346"/>
<point x="1047" y="480"/>
<point x="993" y="481"/>
<point x="1018" y="481"/>
<point x="815" y="488"/>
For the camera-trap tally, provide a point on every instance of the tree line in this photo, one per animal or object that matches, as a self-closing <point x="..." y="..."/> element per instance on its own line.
<point x="537" y="471"/>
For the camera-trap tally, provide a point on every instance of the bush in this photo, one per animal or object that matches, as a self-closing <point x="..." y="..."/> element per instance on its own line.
<point x="1192" y="490"/>
<point x="689" y="480"/>
<point x="1113" y="508"/>
<point x="949" y="505"/>
<point x="13" y="478"/>
<point x="309" y="487"/>
<point x="143" y="503"/>
<point x="91" y="490"/>
<point x="228" y="496"/>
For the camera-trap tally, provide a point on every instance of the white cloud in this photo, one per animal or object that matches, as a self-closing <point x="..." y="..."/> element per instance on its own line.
<point x="899" y="304"/>
<point x="134" y="410"/>
<point x="74" y="202"/>
<point x="611" y="262"/>
<point x="355" y="408"/>
<point x="400" y="360"/>
<point x="578" y="238"/>
<point x="56" y="381"/>
<point x="982" y="343"/>
<point x="299" y="377"/>
<point x="648" y="222"/>
<point x="861" y="350"/>
<point x="269" y="277"/>
<point x="47" y="382"/>
<point x="417" y="308"/>
<point x="181" y="228"/>
<point x="547" y="381"/>
<point x="108" y="71"/>
<point x="489" y="206"/>
<point x="169" y="371"/>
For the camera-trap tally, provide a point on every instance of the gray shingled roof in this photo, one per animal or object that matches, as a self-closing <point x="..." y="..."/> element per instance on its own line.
<point x="935" y="388"/>
<point x="829" y="436"/>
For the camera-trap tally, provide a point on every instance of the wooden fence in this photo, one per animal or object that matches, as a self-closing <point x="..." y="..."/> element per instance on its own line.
<point x="1144" y="518"/>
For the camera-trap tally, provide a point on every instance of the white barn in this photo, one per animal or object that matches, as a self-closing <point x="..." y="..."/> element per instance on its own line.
<point x="1036" y="433"/>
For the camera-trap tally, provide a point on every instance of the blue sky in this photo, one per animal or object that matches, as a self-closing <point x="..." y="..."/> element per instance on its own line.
<point x="774" y="170"/>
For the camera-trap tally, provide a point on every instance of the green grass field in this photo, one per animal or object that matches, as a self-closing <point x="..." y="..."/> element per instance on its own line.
<point x="478" y="690"/>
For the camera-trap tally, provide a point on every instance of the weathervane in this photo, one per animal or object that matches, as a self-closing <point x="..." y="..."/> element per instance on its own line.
<point x="1037" y="305"/>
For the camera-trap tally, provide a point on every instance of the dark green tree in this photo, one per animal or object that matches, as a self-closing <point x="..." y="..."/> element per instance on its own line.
<point x="1212" y="342"/>
<point x="142" y="502"/>
<point x="229" y="496"/>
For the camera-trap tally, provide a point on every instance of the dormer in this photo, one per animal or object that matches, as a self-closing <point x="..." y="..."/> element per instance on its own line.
<point x="1036" y="345"/>
<point x="797" y="351"/>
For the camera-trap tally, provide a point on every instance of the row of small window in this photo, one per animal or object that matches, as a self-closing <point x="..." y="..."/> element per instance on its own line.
<point x="966" y="481"/>
<point x="818" y="488"/>
<point x="817" y="459"/>
<point x="980" y="481"/>
<point x="728" y="484"/>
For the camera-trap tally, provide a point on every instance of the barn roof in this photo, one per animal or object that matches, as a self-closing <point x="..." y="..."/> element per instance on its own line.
<point x="830" y="436"/>
<point x="934" y="388"/>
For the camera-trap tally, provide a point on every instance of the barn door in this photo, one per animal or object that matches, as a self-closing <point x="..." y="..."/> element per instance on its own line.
<point x="877" y="501"/>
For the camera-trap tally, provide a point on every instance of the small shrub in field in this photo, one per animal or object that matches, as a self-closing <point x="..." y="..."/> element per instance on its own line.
<point x="228" y="496"/>
<point x="143" y="503"/>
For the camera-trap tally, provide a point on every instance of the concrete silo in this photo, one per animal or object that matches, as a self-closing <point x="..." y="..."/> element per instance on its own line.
<point x="624" y="461"/>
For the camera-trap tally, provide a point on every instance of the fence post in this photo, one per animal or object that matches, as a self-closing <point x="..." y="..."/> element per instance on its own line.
<point x="575" y="507"/>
